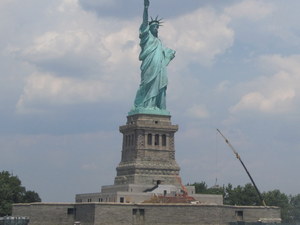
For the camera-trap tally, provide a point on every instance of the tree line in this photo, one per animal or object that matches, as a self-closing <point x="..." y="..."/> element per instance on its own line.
<point x="12" y="191"/>
<point x="247" y="195"/>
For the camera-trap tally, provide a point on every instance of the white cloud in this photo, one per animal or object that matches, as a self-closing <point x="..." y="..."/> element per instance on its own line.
<point x="250" y="9"/>
<point x="199" y="36"/>
<point x="198" y="111"/>
<point x="222" y="86"/>
<point x="277" y="93"/>
<point x="275" y="102"/>
<point x="123" y="45"/>
<point x="80" y="59"/>
<point x="80" y="35"/>
<point x="55" y="44"/>
<point x="98" y="3"/>
<point x="290" y="64"/>
<point x="89" y="166"/>
<point x="68" y="5"/>
<point x="77" y="50"/>
<point x="47" y="89"/>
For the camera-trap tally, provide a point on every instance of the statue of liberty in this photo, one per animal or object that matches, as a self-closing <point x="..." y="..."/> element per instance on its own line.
<point x="151" y="95"/>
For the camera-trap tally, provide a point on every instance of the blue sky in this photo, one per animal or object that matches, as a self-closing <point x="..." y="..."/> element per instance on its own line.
<point x="70" y="70"/>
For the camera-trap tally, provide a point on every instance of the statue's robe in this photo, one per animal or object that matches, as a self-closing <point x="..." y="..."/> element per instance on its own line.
<point x="155" y="58"/>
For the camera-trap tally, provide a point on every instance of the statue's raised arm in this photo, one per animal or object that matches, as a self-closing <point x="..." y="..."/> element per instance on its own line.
<point x="151" y="95"/>
<point x="145" y="15"/>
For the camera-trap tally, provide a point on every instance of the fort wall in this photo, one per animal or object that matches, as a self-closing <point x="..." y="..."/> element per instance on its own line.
<point x="141" y="214"/>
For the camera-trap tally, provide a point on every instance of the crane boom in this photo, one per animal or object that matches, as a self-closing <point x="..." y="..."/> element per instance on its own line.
<point x="239" y="158"/>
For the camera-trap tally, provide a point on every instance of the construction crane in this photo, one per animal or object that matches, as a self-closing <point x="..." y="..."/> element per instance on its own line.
<point x="239" y="158"/>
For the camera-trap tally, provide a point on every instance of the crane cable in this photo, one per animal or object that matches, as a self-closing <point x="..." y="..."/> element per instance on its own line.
<point x="217" y="162"/>
<point x="239" y="158"/>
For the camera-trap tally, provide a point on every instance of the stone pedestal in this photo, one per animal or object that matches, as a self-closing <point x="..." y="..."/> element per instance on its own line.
<point x="148" y="167"/>
<point x="148" y="151"/>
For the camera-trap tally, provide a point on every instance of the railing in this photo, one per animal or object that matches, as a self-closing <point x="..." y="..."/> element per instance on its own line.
<point x="10" y="220"/>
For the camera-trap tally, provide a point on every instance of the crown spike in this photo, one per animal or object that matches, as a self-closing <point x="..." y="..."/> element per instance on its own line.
<point x="156" y="20"/>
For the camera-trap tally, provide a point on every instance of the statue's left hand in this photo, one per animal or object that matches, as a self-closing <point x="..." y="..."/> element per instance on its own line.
<point x="173" y="55"/>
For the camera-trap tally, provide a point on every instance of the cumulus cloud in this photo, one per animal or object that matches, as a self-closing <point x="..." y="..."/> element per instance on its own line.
<point x="76" y="68"/>
<point x="277" y="93"/>
<point x="41" y="89"/>
<point x="276" y="101"/>
<point x="81" y="44"/>
<point x="276" y="62"/>
<point x="71" y="52"/>
<point x="250" y="9"/>
<point x="80" y="59"/>
<point x="200" y="36"/>
<point x="68" y="5"/>
<point x="222" y="86"/>
<point x="96" y="4"/>
<point x="89" y="166"/>
<point x="198" y="111"/>
<point x="57" y="44"/>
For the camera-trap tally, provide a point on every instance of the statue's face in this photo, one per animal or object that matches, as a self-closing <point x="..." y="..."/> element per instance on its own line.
<point x="154" y="29"/>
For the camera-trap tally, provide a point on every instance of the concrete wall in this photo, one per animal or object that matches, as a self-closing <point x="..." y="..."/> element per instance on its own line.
<point x="128" y="197"/>
<point x="132" y="193"/>
<point x="45" y="213"/>
<point x="164" y="214"/>
<point x="85" y="213"/>
<point x="208" y="199"/>
<point x="141" y="214"/>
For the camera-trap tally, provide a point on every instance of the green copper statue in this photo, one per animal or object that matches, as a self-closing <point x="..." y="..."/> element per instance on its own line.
<point x="151" y="95"/>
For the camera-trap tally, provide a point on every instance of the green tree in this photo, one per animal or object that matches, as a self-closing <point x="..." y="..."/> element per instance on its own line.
<point x="11" y="191"/>
<point x="241" y="195"/>
<point x="31" y="196"/>
<point x="247" y="195"/>
<point x="294" y="212"/>
<point x="201" y="188"/>
<point x="276" y="198"/>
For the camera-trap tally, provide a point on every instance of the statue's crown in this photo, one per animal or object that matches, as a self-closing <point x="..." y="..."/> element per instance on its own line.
<point x="156" y="21"/>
